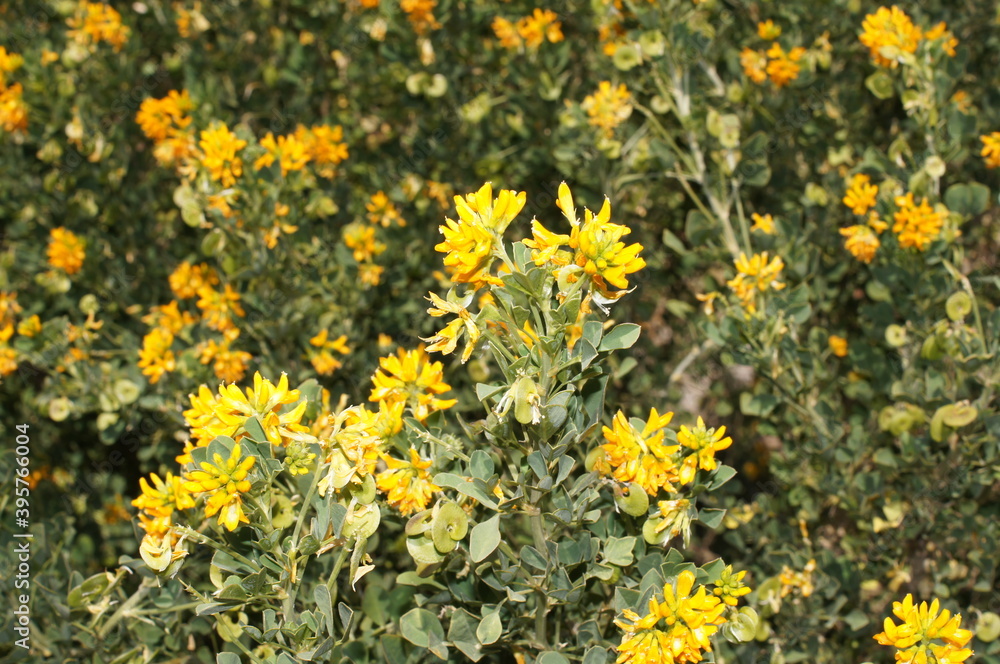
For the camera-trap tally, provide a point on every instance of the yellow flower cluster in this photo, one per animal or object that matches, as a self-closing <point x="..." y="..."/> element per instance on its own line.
<point x="608" y="107"/>
<point x="13" y="112"/>
<point x="157" y="504"/>
<point x="927" y="635"/>
<point x="382" y="211"/>
<point x="410" y="378"/>
<point x="66" y="250"/>
<point x="360" y="239"/>
<point x="446" y="340"/>
<point x="9" y="308"/>
<point x="780" y="66"/>
<point x="595" y="247"/>
<point x="96" y="22"/>
<point x="407" y="484"/>
<point x="225" y="481"/>
<point x="470" y="242"/>
<point x="531" y="31"/>
<point x="890" y="34"/>
<point x="420" y="14"/>
<point x="755" y="275"/>
<point x="802" y="582"/>
<point x="321" y="145"/>
<point x="991" y="149"/>
<point x="156" y="357"/>
<point x="647" y="459"/>
<point x="229" y="365"/>
<point x="323" y="359"/>
<point x="674" y="630"/>
<point x="860" y="196"/>
<point x="220" y="154"/>
<point x="764" y="224"/>
<point x="917" y="225"/>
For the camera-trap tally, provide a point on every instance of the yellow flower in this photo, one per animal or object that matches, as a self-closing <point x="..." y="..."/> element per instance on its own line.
<point x="754" y="64"/>
<point x="506" y="32"/>
<point x="547" y="247"/>
<point x="889" y="33"/>
<point x="729" y="588"/>
<point x="224" y="480"/>
<point x="382" y="211"/>
<point x="601" y="253"/>
<point x="219" y="306"/>
<point x="9" y="308"/>
<point x="926" y="634"/>
<point x="95" y="22"/>
<point x="446" y="340"/>
<point x="360" y="239"/>
<point x="164" y="496"/>
<point x="704" y="443"/>
<point x="169" y="317"/>
<point x="13" y="112"/>
<point x="290" y="152"/>
<point x="469" y="242"/>
<point x="791" y="580"/>
<point x="768" y="30"/>
<point x="155" y="356"/>
<point x="220" y="147"/>
<point x="861" y="242"/>
<point x="861" y="194"/>
<point x="157" y="117"/>
<point x="66" y="250"/>
<point x="324" y="146"/>
<point x="8" y="360"/>
<point x="323" y="359"/>
<point x="689" y="622"/>
<point x="229" y="365"/>
<point x="641" y="456"/>
<point x="370" y="274"/>
<point x="783" y="67"/>
<point x="763" y="224"/>
<point x="838" y="345"/>
<point x="754" y="275"/>
<point x="709" y="300"/>
<point x="916" y="225"/>
<point x="30" y="326"/>
<point x="948" y="41"/>
<point x="608" y="107"/>
<point x="991" y="149"/>
<point x="410" y="378"/>
<point x="407" y="484"/>
<point x="9" y="63"/>
<point x="421" y="15"/>
<point x="186" y="280"/>
<point x="538" y="27"/>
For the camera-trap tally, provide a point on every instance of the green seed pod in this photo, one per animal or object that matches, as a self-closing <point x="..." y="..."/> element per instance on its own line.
<point x="649" y="531"/>
<point x="632" y="499"/>
<point x="450" y="525"/>
<point x="988" y="627"/>
<point x="418" y="524"/>
<point x="931" y="349"/>
<point x="362" y="523"/>
<point x="423" y="551"/>
<point x="958" y="414"/>
<point x="364" y="493"/>
<point x="593" y="457"/>
<point x="895" y="335"/>
<point x="958" y="306"/>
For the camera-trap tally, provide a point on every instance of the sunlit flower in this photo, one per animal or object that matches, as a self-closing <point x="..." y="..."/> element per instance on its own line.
<point x="410" y="377"/>
<point x="917" y="225"/>
<point x="506" y="32"/>
<point x="169" y="317"/>
<point x="446" y="340"/>
<point x="420" y="14"/>
<point x="802" y="582"/>
<point x="602" y="254"/>
<point x="225" y="481"/>
<point x="219" y="307"/>
<point x="95" y="22"/>
<point x="155" y="356"/>
<point x="539" y="27"/>
<point x="547" y="247"/>
<point x="689" y="620"/>
<point x="991" y="149"/>
<point x="13" y="111"/>
<point x="861" y="194"/>
<point x="608" y="107"/>
<point x="66" y="250"/>
<point x="755" y="275"/>
<point x="382" y="211"/>
<point x="838" y="345"/>
<point x="325" y="147"/>
<point x="157" y="117"/>
<point x="763" y="224"/>
<point x="186" y="279"/>
<point x="861" y="242"/>
<point x="754" y="64"/>
<point x="783" y="67"/>
<point x="948" y="40"/>
<point x="709" y="301"/>
<point x="220" y="148"/>
<point x="29" y="327"/>
<point x="164" y="496"/>
<point x="290" y="152"/>
<point x="704" y="443"/>
<point x="323" y="359"/>
<point x="925" y="635"/>
<point x="641" y="456"/>
<point x="767" y="30"/>
<point x="407" y="484"/>
<point x="888" y="33"/>
<point x="228" y="364"/>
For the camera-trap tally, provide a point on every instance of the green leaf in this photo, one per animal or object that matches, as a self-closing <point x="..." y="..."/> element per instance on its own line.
<point x="416" y="626"/>
<point x="968" y="199"/>
<point x="880" y="84"/>
<point x="711" y="517"/>
<point x="462" y="633"/>
<point x="620" y="337"/>
<point x="531" y="556"/>
<point x="464" y="486"/>
<point x="485" y="539"/>
<point x="673" y="242"/>
<point x="618" y="550"/>
<point x="596" y="655"/>
<point x="255" y="430"/>
<point x="856" y="619"/>
<point x="228" y="658"/>
<point x="490" y="628"/>
<point x="481" y="465"/>
<point x="324" y="604"/>
<point x="346" y="616"/>
<point x="722" y="475"/>
<point x="552" y="657"/>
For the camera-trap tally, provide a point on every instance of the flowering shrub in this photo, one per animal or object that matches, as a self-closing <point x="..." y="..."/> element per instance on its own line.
<point x="718" y="385"/>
